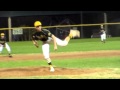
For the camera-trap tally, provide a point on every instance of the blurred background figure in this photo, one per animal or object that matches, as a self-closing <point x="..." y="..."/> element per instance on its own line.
<point x="102" y="34"/>
<point x="3" y="44"/>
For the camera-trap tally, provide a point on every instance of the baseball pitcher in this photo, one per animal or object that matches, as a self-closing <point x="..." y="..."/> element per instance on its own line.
<point x="102" y="34"/>
<point x="47" y="37"/>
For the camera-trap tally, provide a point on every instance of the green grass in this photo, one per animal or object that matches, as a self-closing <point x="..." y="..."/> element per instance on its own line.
<point x="104" y="62"/>
<point x="75" y="45"/>
<point x="22" y="63"/>
<point x="24" y="47"/>
<point x="86" y="63"/>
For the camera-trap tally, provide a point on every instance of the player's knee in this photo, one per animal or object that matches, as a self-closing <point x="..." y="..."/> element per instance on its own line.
<point x="46" y="57"/>
<point x="48" y="60"/>
<point x="65" y="43"/>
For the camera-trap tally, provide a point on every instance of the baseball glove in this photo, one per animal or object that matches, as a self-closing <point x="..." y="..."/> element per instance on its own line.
<point x="36" y="44"/>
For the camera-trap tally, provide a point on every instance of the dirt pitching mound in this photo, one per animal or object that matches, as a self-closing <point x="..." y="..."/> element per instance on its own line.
<point x="44" y="71"/>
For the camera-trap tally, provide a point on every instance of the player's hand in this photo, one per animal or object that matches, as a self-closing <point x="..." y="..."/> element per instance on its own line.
<point x="36" y="45"/>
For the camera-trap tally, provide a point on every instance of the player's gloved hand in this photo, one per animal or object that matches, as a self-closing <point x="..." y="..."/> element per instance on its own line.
<point x="36" y="45"/>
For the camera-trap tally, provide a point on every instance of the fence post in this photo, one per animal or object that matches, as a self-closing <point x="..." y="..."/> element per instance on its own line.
<point x="9" y="30"/>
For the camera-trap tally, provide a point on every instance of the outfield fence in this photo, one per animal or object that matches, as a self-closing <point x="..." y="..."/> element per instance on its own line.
<point x="20" y="27"/>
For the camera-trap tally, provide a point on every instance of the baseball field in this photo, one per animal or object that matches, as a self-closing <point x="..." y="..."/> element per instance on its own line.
<point x="80" y="59"/>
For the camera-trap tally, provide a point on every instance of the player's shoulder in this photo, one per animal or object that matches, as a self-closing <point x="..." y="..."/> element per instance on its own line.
<point x="34" y="33"/>
<point x="45" y="30"/>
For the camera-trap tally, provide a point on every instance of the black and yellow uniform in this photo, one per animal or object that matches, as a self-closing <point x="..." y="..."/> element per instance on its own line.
<point x="42" y="35"/>
<point x="4" y="45"/>
<point x="3" y="41"/>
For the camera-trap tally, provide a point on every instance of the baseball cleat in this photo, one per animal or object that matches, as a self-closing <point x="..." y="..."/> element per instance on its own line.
<point x="71" y="35"/>
<point x="74" y="33"/>
<point x="52" y="69"/>
<point x="10" y="55"/>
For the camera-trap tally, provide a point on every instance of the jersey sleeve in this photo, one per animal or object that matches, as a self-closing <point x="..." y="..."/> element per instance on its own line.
<point x="2" y="41"/>
<point x="47" y="32"/>
<point x="34" y="36"/>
